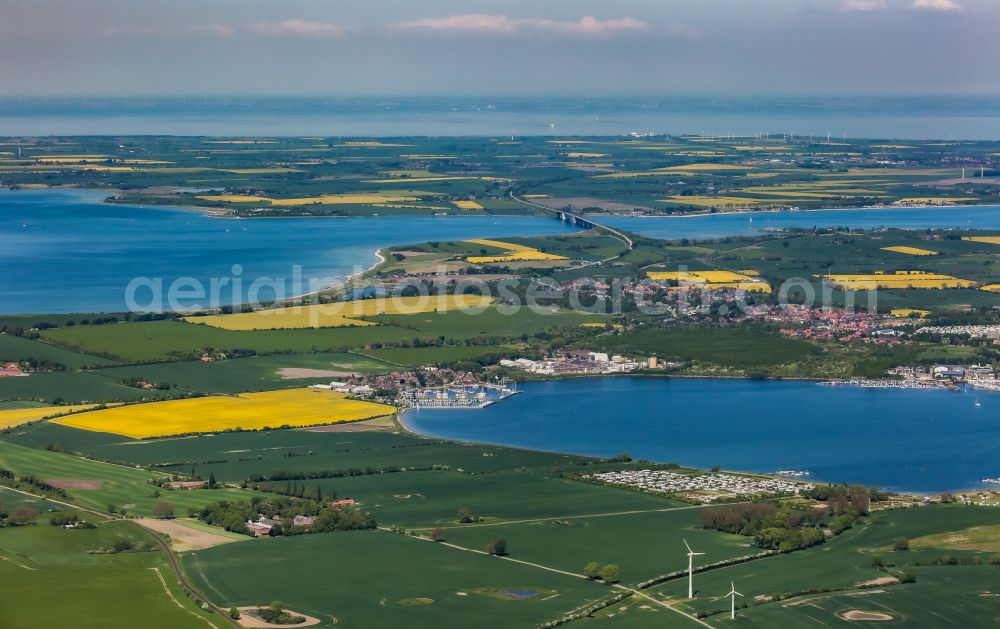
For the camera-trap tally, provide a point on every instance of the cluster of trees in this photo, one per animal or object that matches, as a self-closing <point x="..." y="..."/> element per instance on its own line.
<point x="843" y="499"/>
<point x="295" y="490"/>
<point x="19" y="516"/>
<point x="70" y="519"/>
<point x="608" y="573"/>
<point x="233" y="516"/>
<point x="137" y="382"/>
<point x="286" y="475"/>
<point x="276" y="614"/>
<point x="31" y="484"/>
<point x="785" y="527"/>
<point x="466" y="516"/>
<point x="497" y="547"/>
<point x="974" y="560"/>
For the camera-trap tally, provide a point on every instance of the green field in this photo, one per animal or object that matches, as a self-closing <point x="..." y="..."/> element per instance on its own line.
<point x="845" y="561"/>
<point x="249" y="374"/>
<point x="368" y="580"/>
<point x="116" y="485"/>
<point x="16" y="348"/>
<point x="741" y="348"/>
<point x="165" y="340"/>
<point x="419" y="356"/>
<point x="75" y="387"/>
<point x="51" y="581"/>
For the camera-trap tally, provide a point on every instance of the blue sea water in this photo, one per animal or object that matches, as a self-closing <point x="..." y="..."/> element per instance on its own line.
<point x="909" y="117"/>
<point x="907" y="440"/>
<point x="66" y="251"/>
<point x="63" y="250"/>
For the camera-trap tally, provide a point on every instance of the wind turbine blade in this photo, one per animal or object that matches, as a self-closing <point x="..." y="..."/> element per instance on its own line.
<point x="693" y="553"/>
<point x="737" y="593"/>
<point x="686" y="544"/>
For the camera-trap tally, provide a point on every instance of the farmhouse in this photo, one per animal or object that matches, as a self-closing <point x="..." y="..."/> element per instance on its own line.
<point x="262" y="526"/>
<point x="305" y="521"/>
<point x="188" y="484"/>
<point x="11" y="369"/>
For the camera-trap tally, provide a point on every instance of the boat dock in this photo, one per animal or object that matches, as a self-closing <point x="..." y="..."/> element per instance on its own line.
<point x="458" y="396"/>
<point x="883" y="384"/>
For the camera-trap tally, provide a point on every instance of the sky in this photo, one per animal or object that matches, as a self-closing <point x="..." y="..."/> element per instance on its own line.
<point x="592" y="48"/>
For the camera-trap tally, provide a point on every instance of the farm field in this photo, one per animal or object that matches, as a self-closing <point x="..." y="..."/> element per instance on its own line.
<point x="175" y="340"/>
<point x="713" y="279"/>
<point x="252" y="373"/>
<point x="900" y="279"/>
<point x="430" y="499"/>
<point x="10" y="418"/>
<point x="128" y="589"/>
<point x="74" y="387"/>
<point x="249" y="411"/>
<point x="17" y="348"/>
<point x="238" y="455"/>
<point x="843" y="562"/>
<point x="417" y="356"/>
<point x="341" y="313"/>
<point x="644" y="544"/>
<point x="458" y="588"/>
<point x="511" y="252"/>
<point x="97" y="485"/>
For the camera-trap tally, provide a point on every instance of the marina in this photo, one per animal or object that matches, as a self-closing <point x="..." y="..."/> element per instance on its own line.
<point x="458" y="396"/>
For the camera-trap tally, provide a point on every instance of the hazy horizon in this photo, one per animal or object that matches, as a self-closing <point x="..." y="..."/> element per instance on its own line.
<point x="478" y="48"/>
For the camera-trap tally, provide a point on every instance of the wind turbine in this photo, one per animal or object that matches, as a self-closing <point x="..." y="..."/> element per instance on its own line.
<point x="691" y="556"/>
<point x="733" y="594"/>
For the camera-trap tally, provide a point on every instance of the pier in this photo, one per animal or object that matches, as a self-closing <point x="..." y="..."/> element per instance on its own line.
<point x="883" y="384"/>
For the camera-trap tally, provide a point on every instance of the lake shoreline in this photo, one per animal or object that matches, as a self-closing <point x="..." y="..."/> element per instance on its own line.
<point x="406" y="421"/>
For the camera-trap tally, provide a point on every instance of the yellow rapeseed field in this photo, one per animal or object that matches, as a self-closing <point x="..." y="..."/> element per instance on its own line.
<point x="714" y="279"/>
<point x="467" y="205"/>
<point x="899" y="279"/>
<point x="907" y="312"/>
<point x="235" y="198"/>
<point x="72" y="159"/>
<point x="913" y="251"/>
<point x="513" y="253"/>
<point x="990" y="240"/>
<point x="249" y="411"/>
<point x="17" y="416"/>
<point x="993" y="288"/>
<point x="508" y="246"/>
<point x="341" y="313"/>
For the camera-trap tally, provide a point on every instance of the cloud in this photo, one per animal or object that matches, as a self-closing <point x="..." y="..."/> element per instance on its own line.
<point x="221" y="30"/>
<point x="587" y="25"/>
<point x="297" y="28"/>
<point x="862" y="5"/>
<point x="937" y="5"/>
